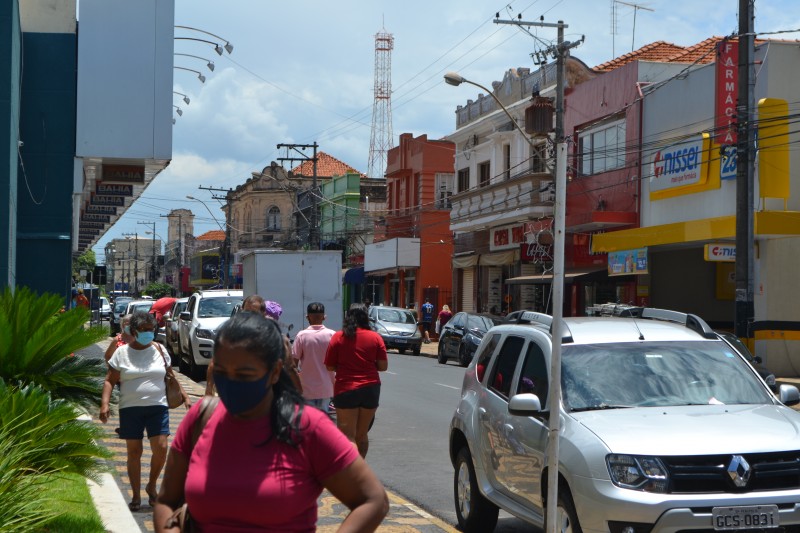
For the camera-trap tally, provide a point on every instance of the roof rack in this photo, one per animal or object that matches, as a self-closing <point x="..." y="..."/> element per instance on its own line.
<point x="693" y="322"/>
<point x="532" y="317"/>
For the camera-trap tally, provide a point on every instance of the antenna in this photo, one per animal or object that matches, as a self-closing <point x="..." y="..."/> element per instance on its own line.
<point x="613" y="28"/>
<point x="636" y="7"/>
<point x="381" y="135"/>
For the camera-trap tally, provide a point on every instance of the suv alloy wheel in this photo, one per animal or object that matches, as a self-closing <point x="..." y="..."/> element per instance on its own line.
<point x="475" y="513"/>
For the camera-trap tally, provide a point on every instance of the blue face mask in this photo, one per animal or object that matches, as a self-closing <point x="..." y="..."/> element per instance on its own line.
<point x="241" y="396"/>
<point x="127" y="330"/>
<point x="145" y="337"/>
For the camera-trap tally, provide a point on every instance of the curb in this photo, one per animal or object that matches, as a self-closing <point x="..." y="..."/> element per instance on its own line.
<point x="111" y="506"/>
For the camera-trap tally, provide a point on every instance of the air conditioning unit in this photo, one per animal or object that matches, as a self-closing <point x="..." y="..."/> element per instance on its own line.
<point x="547" y="191"/>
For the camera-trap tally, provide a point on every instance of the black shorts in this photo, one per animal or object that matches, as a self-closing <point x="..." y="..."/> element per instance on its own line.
<point x="363" y="397"/>
<point x="425" y="326"/>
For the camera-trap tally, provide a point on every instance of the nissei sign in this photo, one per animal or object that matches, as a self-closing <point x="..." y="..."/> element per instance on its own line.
<point x="677" y="165"/>
<point x="720" y="252"/>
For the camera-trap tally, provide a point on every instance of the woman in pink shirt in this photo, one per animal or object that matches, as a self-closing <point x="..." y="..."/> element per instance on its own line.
<point x="263" y="458"/>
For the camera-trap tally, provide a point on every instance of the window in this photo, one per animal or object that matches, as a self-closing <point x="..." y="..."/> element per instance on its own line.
<point x="538" y="159"/>
<point x="484" y="174"/>
<point x="444" y="190"/>
<point x="463" y="180"/>
<point x="273" y="218"/>
<point x="602" y="148"/>
<point x="506" y="161"/>
<point x="505" y="365"/>
<point x="534" y="374"/>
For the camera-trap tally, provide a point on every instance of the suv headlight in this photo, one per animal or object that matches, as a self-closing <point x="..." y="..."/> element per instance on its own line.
<point x="475" y="340"/>
<point x="204" y="333"/>
<point x="638" y="472"/>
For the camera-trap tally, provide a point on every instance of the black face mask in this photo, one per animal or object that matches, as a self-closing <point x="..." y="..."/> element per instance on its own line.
<point x="241" y="396"/>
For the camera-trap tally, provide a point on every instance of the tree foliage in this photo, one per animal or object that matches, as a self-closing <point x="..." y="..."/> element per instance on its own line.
<point x="86" y="261"/>
<point x="37" y="342"/>
<point x="158" y="290"/>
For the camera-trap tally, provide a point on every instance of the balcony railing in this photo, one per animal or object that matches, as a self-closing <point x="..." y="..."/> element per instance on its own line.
<point x="523" y="197"/>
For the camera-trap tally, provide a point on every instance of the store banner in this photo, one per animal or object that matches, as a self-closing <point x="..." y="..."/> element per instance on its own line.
<point x="720" y="252"/>
<point x="627" y="262"/>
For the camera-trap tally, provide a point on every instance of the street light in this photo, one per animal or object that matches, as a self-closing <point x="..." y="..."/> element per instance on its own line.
<point x="199" y="74"/>
<point x="228" y="45"/>
<point x="217" y="46"/>
<point x="209" y="63"/>
<point x="185" y="98"/>
<point x="207" y="209"/>
<point x="455" y="79"/>
<point x="178" y="110"/>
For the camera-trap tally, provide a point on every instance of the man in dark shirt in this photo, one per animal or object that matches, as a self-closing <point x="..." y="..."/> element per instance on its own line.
<point x="427" y="320"/>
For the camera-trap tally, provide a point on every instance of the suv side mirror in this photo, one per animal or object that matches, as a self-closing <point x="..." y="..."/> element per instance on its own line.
<point x="525" y="404"/>
<point x="788" y="395"/>
<point x="186" y="315"/>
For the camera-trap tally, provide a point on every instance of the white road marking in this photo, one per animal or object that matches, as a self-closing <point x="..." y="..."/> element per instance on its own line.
<point x="448" y="386"/>
<point x="387" y="372"/>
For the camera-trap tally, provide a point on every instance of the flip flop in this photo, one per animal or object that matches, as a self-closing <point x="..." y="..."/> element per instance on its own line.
<point x="151" y="498"/>
<point x="134" y="506"/>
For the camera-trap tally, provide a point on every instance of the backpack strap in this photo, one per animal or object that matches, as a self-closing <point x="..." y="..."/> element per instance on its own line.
<point x="207" y="406"/>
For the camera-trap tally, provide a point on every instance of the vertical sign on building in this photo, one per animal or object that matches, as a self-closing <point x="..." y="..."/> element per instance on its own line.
<point x="727" y="87"/>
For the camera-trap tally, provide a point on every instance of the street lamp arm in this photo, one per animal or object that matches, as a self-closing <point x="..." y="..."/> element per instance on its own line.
<point x="207" y="209"/>
<point x="455" y="79"/>
<point x="228" y="45"/>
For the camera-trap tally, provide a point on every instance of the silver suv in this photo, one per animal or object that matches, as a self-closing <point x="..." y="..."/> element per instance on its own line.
<point x="664" y="427"/>
<point x="205" y="312"/>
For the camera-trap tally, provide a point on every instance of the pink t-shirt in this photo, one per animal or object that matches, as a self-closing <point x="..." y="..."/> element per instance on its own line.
<point x="237" y="484"/>
<point x="309" y="348"/>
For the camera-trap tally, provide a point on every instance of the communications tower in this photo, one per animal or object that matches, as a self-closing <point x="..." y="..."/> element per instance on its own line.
<point x="381" y="135"/>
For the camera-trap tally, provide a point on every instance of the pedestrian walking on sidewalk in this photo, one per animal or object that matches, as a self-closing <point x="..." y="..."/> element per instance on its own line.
<point x="444" y="317"/>
<point x="427" y="320"/>
<point x="356" y="354"/>
<point x="262" y="458"/>
<point x="122" y="338"/>
<point x="139" y="369"/>
<point x="308" y="351"/>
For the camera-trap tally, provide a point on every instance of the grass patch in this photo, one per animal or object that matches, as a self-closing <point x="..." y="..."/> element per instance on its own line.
<point x="68" y="494"/>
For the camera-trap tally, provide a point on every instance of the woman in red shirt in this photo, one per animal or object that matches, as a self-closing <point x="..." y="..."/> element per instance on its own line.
<point x="356" y="354"/>
<point x="262" y="458"/>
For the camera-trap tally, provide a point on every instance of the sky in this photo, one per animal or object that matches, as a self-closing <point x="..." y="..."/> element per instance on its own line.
<point x="303" y="71"/>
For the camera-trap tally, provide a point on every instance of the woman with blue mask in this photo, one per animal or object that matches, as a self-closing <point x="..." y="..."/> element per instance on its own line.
<point x="262" y="458"/>
<point x="139" y="368"/>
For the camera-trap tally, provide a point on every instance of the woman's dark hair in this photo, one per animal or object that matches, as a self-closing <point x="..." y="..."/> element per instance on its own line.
<point x="140" y="319"/>
<point x="356" y="317"/>
<point x="262" y="337"/>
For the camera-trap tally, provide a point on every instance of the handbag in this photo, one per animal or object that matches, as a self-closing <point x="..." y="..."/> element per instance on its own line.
<point x="175" y="394"/>
<point x="181" y="518"/>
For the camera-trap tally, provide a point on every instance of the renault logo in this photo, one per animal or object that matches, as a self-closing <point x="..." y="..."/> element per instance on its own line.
<point x="739" y="471"/>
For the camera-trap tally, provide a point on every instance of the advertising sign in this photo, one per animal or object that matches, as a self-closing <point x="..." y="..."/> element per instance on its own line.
<point x="101" y="209"/>
<point x="118" y="201"/>
<point x="506" y="238"/>
<point x="123" y="173"/>
<point x="88" y="232"/>
<point x="92" y="225"/>
<point x="720" y="252"/>
<point x="727" y="162"/>
<point x="678" y="164"/>
<point x="726" y="91"/>
<point x="91" y="217"/>
<point x="113" y="189"/>
<point x="627" y="262"/>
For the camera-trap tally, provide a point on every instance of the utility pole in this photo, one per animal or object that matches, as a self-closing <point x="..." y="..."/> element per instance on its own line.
<point x="744" y="310"/>
<point x="313" y="234"/>
<point x="560" y="51"/>
<point x="226" y="246"/>
<point x="153" y="265"/>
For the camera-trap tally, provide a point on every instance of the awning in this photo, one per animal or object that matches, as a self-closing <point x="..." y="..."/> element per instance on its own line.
<point x="569" y="276"/>
<point x="354" y="276"/>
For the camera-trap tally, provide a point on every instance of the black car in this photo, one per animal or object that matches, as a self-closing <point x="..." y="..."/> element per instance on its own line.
<point x="460" y="337"/>
<point x="117" y="310"/>
<point x="755" y="361"/>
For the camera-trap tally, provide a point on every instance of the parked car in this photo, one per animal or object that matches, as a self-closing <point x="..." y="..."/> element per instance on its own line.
<point x="171" y="327"/>
<point x="764" y="372"/>
<point x="397" y="327"/>
<point x="105" y="309"/>
<point x="120" y="304"/>
<point x="462" y="334"/>
<point x="205" y="312"/>
<point x="135" y="306"/>
<point x="664" y="427"/>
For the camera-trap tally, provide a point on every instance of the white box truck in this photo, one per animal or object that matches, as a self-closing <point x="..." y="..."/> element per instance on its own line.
<point x="295" y="279"/>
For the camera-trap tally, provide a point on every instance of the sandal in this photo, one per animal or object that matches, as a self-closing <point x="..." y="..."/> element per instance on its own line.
<point x="151" y="498"/>
<point x="134" y="506"/>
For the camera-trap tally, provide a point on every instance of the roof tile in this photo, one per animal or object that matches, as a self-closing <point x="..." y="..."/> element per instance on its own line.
<point x="327" y="165"/>
<point x="213" y="235"/>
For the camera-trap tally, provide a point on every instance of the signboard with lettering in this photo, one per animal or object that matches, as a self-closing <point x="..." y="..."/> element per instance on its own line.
<point x="506" y="238"/>
<point x="91" y="217"/>
<point x="92" y="225"/>
<point x="88" y="232"/>
<point x="627" y="262"/>
<point x="678" y="164"/>
<point x="101" y="209"/>
<point x="113" y="189"/>
<point x="118" y="201"/>
<point x="727" y="162"/>
<point x="720" y="252"/>
<point x="123" y="173"/>
<point x="726" y="93"/>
